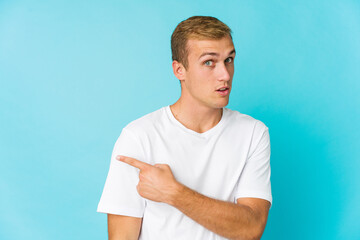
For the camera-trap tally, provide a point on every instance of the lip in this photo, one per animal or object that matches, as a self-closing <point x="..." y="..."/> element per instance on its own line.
<point x="224" y="93"/>
<point x="227" y="88"/>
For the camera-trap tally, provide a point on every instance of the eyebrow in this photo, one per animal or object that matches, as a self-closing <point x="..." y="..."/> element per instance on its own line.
<point x="215" y="54"/>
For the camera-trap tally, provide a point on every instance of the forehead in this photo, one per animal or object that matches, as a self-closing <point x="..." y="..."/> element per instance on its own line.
<point x="198" y="47"/>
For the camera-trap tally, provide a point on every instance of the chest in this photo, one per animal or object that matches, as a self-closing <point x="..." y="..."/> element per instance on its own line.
<point x="210" y="166"/>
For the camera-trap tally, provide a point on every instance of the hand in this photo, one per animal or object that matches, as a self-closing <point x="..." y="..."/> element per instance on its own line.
<point x="156" y="182"/>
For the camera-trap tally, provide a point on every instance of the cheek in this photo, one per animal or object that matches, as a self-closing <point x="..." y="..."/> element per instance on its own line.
<point x="205" y="81"/>
<point x="231" y="69"/>
<point x="200" y="78"/>
<point x="201" y="81"/>
<point x="206" y="75"/>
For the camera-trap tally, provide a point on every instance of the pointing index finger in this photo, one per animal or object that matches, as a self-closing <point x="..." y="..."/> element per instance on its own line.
<point x="133" y="162"/>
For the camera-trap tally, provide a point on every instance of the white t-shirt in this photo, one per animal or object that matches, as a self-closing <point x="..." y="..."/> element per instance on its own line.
<point x="227" y="162"/>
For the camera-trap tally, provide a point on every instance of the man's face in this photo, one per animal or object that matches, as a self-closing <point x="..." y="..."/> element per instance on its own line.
<point x="210" y="68"/>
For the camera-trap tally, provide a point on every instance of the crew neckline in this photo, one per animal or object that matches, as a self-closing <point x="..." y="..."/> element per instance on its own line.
<point x="202" y="135"/>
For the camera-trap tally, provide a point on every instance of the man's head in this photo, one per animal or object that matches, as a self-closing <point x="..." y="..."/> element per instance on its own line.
<point x="196" y="28"/>
<point x="203" y="61"/>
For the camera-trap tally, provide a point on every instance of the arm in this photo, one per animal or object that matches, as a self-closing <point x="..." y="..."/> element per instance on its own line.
<point x="244" y="220"/>
<point x="123" y="227"/>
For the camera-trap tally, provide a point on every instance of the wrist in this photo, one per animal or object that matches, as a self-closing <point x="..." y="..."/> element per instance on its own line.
<point x="176" y="192"/>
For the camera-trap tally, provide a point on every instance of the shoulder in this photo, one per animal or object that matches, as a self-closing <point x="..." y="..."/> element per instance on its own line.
<point x="146" y="122"/>
<point x="238" y="119"/>
<point x="250" y="128"/>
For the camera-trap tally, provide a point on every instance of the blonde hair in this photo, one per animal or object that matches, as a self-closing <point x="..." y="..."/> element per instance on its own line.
<point x="198" y="28"/>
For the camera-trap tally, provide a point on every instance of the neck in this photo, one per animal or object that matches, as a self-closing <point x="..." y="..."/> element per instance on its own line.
<point x="196" y="117"/>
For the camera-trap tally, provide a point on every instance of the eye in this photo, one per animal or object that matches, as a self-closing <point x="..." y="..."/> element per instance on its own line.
<point x="229" y="60"/>
<point x="209" y="63"/>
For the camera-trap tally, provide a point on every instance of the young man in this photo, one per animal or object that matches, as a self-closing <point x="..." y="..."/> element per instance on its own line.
<point x="195" y="169"/>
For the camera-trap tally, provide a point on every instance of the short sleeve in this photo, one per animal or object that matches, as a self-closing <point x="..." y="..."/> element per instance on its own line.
<point x="120" y="196"/>
<point x="254" y="180"/>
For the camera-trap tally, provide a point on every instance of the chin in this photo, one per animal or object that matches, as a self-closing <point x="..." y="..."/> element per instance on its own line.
<point x="221" y="105"/>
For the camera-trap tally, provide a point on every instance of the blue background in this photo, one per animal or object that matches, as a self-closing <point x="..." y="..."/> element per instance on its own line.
<point x="74" y="73"/>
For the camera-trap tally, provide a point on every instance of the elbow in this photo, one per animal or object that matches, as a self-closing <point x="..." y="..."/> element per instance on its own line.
<point x="253" y="233"/>
<point x="252" y="229"/>
<point x="248" y="237"/>
<point x="255" y="237"/>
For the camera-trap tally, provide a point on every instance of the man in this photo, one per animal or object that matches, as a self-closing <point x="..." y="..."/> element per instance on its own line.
<point x="195" y="169"/>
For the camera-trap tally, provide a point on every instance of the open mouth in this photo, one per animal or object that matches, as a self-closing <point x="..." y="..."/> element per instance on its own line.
<point x="223" y="91"/>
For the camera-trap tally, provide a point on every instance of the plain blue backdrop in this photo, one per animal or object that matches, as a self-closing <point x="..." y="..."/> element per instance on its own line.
<point x="74" y="73"/>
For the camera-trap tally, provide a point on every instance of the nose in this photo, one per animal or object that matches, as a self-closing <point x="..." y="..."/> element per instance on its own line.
<point x="224" y="73"/>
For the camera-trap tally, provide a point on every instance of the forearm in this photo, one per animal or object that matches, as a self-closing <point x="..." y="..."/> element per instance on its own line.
<point x="233" y="221"/>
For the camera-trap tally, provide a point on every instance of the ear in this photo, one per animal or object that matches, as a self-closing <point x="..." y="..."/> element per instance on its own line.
<point x="179" y="70"/>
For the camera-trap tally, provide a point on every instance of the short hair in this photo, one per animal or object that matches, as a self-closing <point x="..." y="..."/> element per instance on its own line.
<point x="197" y="28"/>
